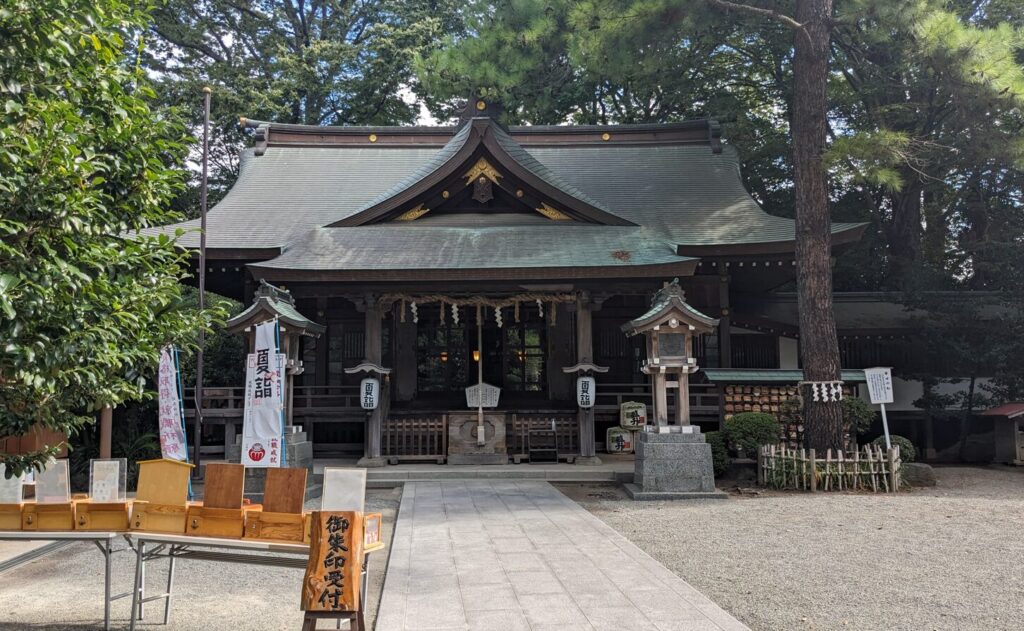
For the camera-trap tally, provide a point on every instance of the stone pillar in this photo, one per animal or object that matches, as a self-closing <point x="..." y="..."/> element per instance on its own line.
<point x="585" y="355"/>
<point x="375" y="422"/>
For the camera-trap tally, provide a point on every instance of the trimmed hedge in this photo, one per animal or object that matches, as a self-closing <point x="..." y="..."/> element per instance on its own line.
<point x="719" y="453"/>
<point x="908" y="453"/>
<point x="747" y="431"/>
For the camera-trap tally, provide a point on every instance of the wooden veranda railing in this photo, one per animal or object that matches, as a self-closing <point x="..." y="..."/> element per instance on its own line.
<point x="225" y="403"/>
<point x="413" y="437"/>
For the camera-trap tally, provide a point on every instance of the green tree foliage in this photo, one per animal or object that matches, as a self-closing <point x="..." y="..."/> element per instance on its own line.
<point x="926" y="132"/>
<point x="83" y="158"/>
<point x="317" y="62"/>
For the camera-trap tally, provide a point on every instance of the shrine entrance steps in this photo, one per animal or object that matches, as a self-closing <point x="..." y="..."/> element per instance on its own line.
<point x="520" y="555"/>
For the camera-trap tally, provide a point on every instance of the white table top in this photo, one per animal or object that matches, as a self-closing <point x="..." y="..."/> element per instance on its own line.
<point x="53" y="535"/>
<point x="219" y="542"/>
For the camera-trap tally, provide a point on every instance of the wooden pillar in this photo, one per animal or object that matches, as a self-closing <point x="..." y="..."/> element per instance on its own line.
<point x="659" y="397"/>
<point x="405" y="359"/>
<point x="585" y="355"/>
<point x="682" y="411"/>
<point x="725" y="311"/>
<point x="323" y="345"/>
<point x="375" y="422"/>
<point x="106" y="430"/>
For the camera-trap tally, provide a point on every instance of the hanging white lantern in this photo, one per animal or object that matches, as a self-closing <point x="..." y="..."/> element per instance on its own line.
<point x="369" y="393"/>
<point x="586" y="390"/>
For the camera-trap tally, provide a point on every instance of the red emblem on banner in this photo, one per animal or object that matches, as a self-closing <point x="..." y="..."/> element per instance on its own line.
<point x="256" y="452"/>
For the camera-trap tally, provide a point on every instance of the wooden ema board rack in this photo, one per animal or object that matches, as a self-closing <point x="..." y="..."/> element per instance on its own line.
<point x="282" y="518"/>
<point x="222" y="513"/>
<point x="102" y="516"/>
<point x="161" y="503"/>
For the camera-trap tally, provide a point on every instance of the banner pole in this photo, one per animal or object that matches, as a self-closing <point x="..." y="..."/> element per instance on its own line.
<point x="197" y="428"/>
<point x="181" y="405"/>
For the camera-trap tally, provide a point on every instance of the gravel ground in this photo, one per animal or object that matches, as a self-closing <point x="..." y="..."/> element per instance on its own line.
<point x="65" y="590"/>
<point x="946" y="558"/>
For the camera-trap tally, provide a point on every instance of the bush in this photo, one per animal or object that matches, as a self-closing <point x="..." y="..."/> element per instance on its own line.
<point x="719" y="453"/>
<point x="857" y="415"/>
<point x="907" y="450"/>
<point x="747" y="431"/>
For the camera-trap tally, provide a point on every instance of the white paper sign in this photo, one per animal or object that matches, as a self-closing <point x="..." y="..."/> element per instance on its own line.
<point x="10" y="489"/>
<point x="344" y="489"/>
<point x="263" y="423"/>
<point x="586" y="390"/>
<point x="482" y="395"/>
<point x="879" y="384"/>
<point x="172" y="432"/>
<point x="105" y="482"/>
<point x="52" y="485"/>
<point x="369" y="393"/>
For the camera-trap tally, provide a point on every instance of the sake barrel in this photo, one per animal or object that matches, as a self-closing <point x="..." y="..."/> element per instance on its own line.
<point x="619" y="441"/>
<point x="632" y="415"/>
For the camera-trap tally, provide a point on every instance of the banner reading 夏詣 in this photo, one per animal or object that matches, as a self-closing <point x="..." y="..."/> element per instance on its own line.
<point x="263" y="423"/>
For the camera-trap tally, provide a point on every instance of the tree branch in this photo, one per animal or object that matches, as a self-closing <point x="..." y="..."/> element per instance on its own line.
<point x="781" y="18"/>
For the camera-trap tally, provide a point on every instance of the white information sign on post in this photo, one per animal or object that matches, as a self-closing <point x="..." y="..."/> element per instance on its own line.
<point x="880" y="391"/>
<point x="482" y="395"/>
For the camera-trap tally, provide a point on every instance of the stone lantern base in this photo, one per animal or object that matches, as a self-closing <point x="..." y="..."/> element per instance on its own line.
<point x="673" y="465"/>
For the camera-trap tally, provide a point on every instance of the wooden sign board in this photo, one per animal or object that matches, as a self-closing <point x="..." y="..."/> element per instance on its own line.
<point x="334" y="571"/>
<point x="221" y="513"/>
<point x="482" y="395"/>
<point x="282" y="518"/>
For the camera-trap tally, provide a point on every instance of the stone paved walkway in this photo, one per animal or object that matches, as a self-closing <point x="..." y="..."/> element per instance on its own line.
<point x="506" y="555"/>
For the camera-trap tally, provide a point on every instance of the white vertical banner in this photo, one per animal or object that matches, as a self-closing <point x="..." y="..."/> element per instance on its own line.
<point x="172" y="431"/>
<point x="263" y="424"/>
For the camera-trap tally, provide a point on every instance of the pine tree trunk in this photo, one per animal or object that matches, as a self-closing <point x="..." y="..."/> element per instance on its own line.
<point x="819" y="347"/>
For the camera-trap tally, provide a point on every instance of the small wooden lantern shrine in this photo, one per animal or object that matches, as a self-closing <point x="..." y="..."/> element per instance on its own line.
<point x="282" y="518"/>
<point x="161" y="500"/>
<point x="669" y="327"/>
<point x="272" y="302"/>
<point x="223" y="511"/>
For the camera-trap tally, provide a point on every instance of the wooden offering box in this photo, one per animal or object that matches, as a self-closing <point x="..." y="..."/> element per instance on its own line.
<point x="222" y="513"/>
<point x="58" y="517"/>
<point x="103" y="516"/>
<point x="282" y="518"/>
<point x="10" y="516"/>
<point x="161" y="503"/>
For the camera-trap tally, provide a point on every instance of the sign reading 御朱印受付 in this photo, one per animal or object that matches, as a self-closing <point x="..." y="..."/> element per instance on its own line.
<point x="879" y="384"/>
<point x="264" y="399"/>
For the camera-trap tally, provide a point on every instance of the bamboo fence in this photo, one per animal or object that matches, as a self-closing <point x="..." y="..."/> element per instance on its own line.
<point x="869" y="469"/>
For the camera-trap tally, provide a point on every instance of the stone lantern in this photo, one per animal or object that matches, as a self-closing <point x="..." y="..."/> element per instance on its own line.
<point x="672" y="461"/>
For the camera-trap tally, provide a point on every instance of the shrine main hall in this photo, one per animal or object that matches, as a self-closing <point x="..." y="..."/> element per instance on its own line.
<point x="443" y="255"/>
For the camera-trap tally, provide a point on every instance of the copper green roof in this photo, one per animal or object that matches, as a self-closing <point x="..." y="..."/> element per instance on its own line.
<point x="754" y="376"/>
<point x="665" y="193"/>
<point x="273" y="302"/>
